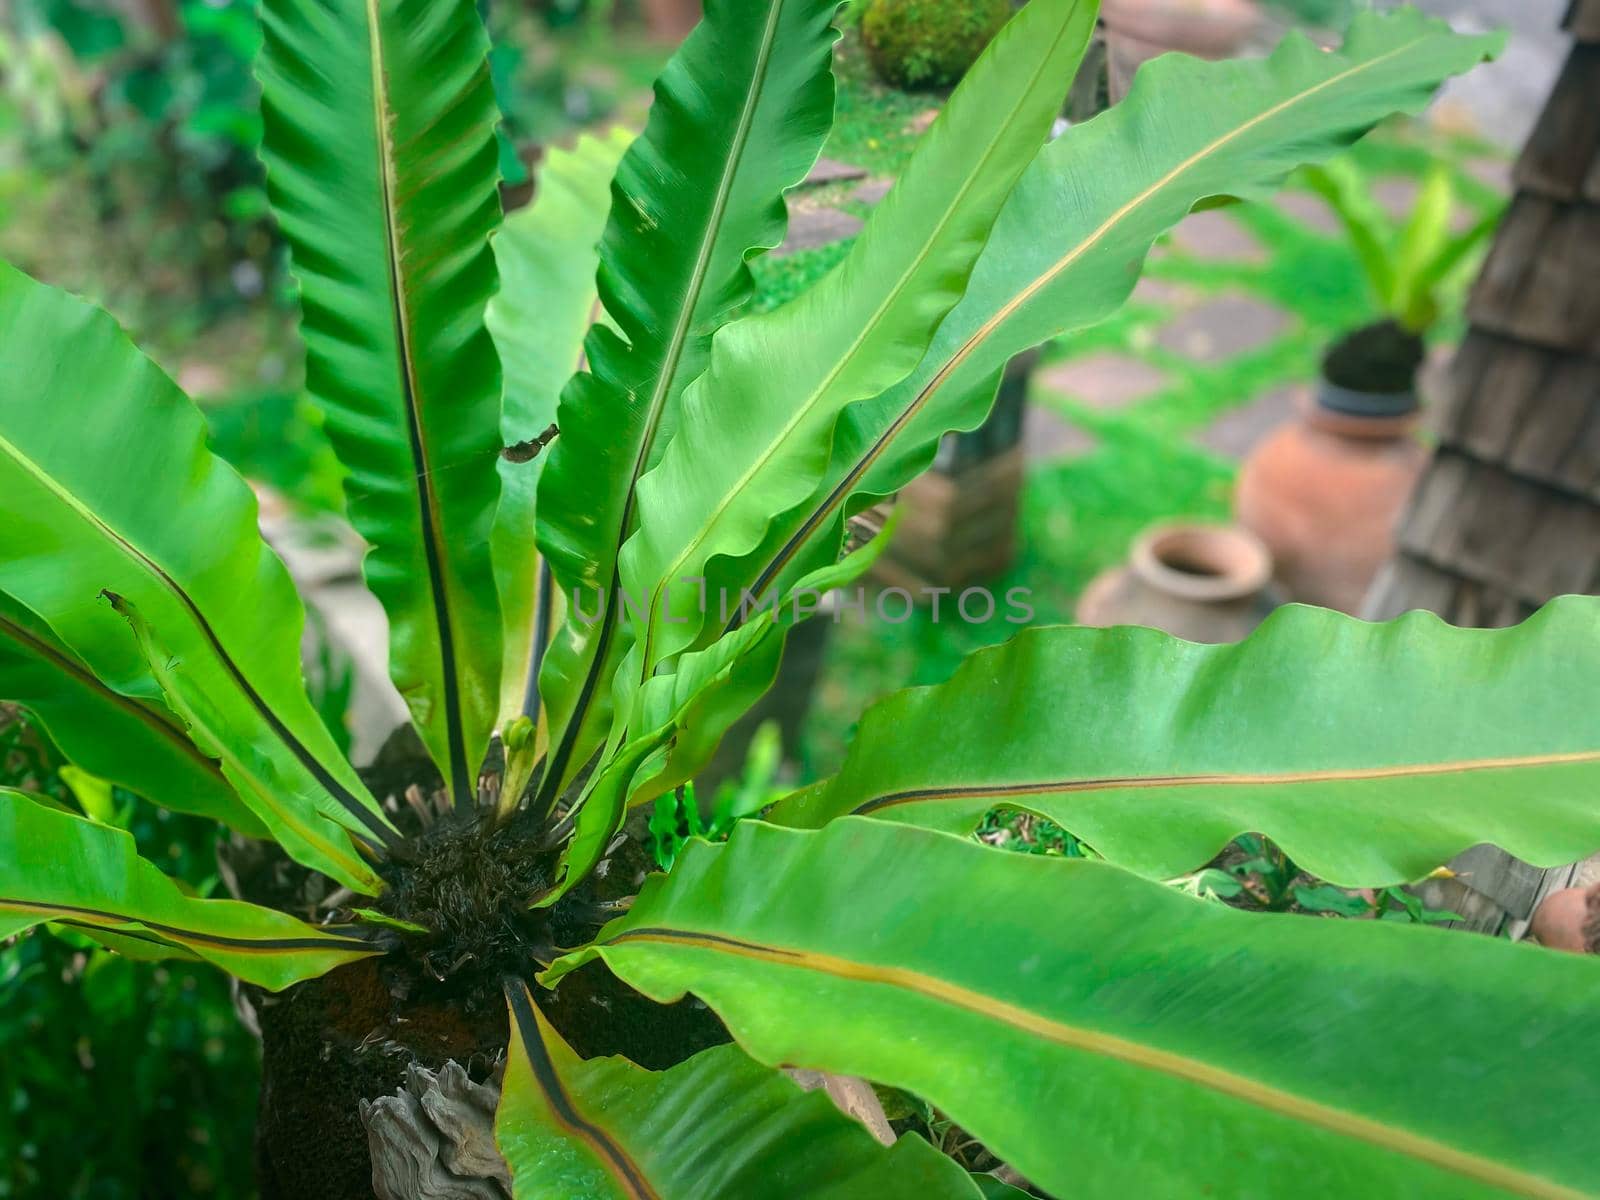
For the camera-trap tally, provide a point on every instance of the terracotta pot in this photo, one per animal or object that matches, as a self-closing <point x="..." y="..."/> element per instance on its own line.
<point x="671" y="20"/>
<point x="1569" y="920"/>
<point x="1324" y="492"/>
<point x="1204" y="583"/>
<point x="1137" y="30"/>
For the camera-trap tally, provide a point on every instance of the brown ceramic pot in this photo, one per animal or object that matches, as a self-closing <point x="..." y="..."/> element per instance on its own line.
<point x="1569" y="920"/>
<point x="1325" y="490"/>
<point x="1137" y="30"/>
<point x="1204" y="583"/>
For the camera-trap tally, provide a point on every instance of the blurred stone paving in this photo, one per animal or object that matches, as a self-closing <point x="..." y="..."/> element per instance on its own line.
<point x="1186" y="323"/>
<point x="1207" y="313"/>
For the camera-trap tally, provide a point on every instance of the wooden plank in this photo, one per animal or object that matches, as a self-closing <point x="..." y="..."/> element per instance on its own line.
<point x="942" y="536"/>
<point x="1538" y="282"/>
<point x="1559" y="441"/>
<point x="1509" y="542"/>
<point x="1583" y="469"/>
<point x="952" y="499"/>
<point x="1584" y="20"/>
<point x="1560" y="304"/>
<point x="1455" y="406"/>
<point x="1560" y="551"/>
<point x="1442" y="489"/>
<point x="1502" y="279"/>
<point x="1407" y="583"/>
<point x="1503" y="378"/>
<point x="1478" y="913"/>
<point x="1478" y="604"/>
<point x="921" y="573"/>
<point x="1508" y="881"/>
<point x="1493" y="891"/>
<point x="1485" y="537"/>
<point x="1566" y="139"/>
<point x="1524" y="539"/>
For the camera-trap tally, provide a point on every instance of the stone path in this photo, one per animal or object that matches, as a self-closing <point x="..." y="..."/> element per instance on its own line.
<point x="1104" y="381"/>
<point x="1236" y="432"/>
<point x="831" y="170"/>
<point x="1207" y="330"/>
<point x="813" y="227"/>
<point x="814" y="218"/>
<point x="1501" y="99"/>
<point x="1215" y="236"/>
<point x="1222" y="327"/>
<point x="1049" y="437"/>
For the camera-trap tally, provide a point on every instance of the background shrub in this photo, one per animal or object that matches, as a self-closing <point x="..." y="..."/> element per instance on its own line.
<point x="929" y="43"/>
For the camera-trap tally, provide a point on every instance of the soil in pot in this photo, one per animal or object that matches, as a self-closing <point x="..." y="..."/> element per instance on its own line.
<point x="1382" y="358"/>
<point x="330" y="1043"/>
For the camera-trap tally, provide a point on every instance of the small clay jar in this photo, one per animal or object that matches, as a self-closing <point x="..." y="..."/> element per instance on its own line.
<point x="1324" y="492"/>
<point x="1203" y="583"/>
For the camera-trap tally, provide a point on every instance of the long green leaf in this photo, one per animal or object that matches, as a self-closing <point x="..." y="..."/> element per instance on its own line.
<point x="757" y="425"/>
<point x="716" y="1125"/>
<point x="378" y="135"/>
<point x="683" y="715"/>
<point x="274" y="786"/>
<point x="106" y="484"/>
<point x="752" y="667"/>
<point x="119" y="738"/>
<point x="1419" y="244"/>
<point x="547" y="255"/>
<point x="697" y="692"/>
<point x="1370" y="753"/>
<point x="1369" y="228"/>
<point x="1068" y="247"/>
<point x="61" y="868"/>
<point x="740" y="115"/>
<point x="1109" y="1036"/>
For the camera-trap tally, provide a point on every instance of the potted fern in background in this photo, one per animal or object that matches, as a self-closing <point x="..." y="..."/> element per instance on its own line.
<point x="475" y="898"/>
<point x="1324" y="491"/>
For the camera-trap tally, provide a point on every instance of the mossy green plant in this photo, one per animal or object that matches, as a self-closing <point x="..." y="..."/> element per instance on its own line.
<point x="929" y="43"/>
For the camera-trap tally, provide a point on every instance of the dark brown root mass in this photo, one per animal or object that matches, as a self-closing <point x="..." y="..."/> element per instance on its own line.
<point x="330" y="1043"/>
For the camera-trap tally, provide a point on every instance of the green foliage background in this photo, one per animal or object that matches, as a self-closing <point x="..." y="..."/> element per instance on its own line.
<point x="119" y="1080"/>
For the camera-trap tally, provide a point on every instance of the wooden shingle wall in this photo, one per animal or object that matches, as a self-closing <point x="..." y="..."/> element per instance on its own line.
<point x="1584" y="20"/>
<point x="1508" y="514"/>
